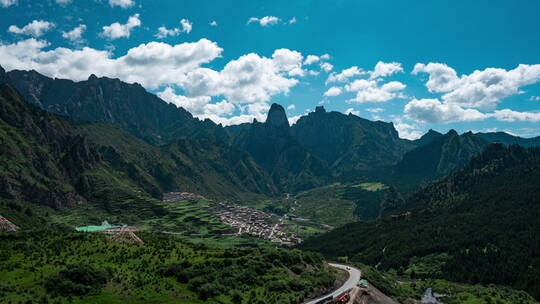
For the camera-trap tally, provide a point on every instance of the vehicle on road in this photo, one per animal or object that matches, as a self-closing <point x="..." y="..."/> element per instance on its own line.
<point x="363" y="284"/>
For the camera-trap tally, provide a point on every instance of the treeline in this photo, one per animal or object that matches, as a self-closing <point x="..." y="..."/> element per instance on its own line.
<point x="485" y="216"/>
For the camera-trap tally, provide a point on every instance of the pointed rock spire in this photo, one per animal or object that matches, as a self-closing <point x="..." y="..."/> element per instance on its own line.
<point x="277" y="117"/>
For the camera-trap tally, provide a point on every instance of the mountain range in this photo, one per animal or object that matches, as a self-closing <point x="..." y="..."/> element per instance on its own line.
<point x="169" y="149"/>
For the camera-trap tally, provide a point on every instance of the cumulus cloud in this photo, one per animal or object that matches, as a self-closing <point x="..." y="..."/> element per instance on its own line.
<point x="513" y="116"/>
<point x="480" y="89"/>
<point x="265" y="21"/>
<point x="121" y="3"/>
<point x="213" y="23"/>
<point x="248" y="79"/>
<point x="327" y="67"/>
<point x="75" y="35"/>
<point x="291" y="107"/>
<point x="187" y="26"/>
<point x="345" y="74"/>
<point x="333" y="91"/>
<point x="373" y="91"/>
<point x="293" y="20"/>
<point x="310" y="59"/>
<point x="383" y="69"/>
<point x="153" y="64"/>
<point x="36" y="28"/>
<point x="118" y="30"/>
<point x="7" y="3"/>
<point x="534" y="98"/>
<point x="434" y="111"/>
<point x="164" y="32"/>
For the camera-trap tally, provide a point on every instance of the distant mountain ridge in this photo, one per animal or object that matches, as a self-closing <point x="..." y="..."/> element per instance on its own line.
<point x="348" y="143"/>
<point x="439" y="155"/>
<point x="319" y="148"/>
<point x="104" y="99"/>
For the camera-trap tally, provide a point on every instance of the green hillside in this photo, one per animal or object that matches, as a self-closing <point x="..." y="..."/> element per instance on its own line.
<point x="485" y="217"/>
<point x="55" y="266"/>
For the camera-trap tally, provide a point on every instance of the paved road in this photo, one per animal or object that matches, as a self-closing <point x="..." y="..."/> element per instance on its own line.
<point x="354" y="277"/>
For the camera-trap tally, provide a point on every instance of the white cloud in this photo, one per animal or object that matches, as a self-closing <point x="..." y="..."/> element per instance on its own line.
<point x="333" y="91"/>
<point x="153" y="64"/>
<point x="195" y="105"/>
<point x="480" y="89"/>
<point x="291" y="107"/>
<point x="433" y="111"/>
<point x="187" y="26"/>
<point x="213" y="23"/>
<point x="117" y="30"/>
<point x="405" y="130"/>
<point x="248" y="79"/>
<point x="383" y="69"/>
<point x="265" y="21"/>
<point x="75" y="35"/>
<point x="352" y="111"/>
<point x="345" y="74"/>
<point x="164" y="32"/>
<point x="327" y="67"/>
<point x="121" y="3"/>
<point x="513" y="116"/>
<point x="35" y="28"/>
<point x="372" y="91"/>
<point x="63" y="2"/>
<point x="293" y="20"/>
<point x="375" y="110"/>
<point x="442" y="78"/>
<point x="310" y="59"/>
<point x="534" y="98"/>
<point x="8" y="3"/>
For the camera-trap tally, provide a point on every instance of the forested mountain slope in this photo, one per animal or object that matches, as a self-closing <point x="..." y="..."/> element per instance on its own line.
<point x="349" y="144"/>
<point x="486" y="217"/>
<point x="439" y="155"/>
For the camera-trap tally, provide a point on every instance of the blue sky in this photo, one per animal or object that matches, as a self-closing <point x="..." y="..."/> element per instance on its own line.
<point x="467" y="65"/>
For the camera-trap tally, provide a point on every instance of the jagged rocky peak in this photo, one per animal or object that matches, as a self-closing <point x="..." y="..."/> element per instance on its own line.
<point x="277" y="117"/>
<point x="452" y="132"/>
<point x="432" y="132"/>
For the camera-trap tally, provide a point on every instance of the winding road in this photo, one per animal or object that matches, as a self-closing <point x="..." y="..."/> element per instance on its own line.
<point x="354" y="277"/>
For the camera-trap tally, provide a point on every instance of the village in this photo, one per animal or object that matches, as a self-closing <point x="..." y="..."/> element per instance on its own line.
<point x="255" y="222"/>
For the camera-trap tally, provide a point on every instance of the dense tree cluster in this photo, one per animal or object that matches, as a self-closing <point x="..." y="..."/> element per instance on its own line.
<point x="485" y="216"/>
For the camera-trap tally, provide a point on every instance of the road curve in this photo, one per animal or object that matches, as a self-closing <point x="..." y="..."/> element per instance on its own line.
<point x="354" y="277"/>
